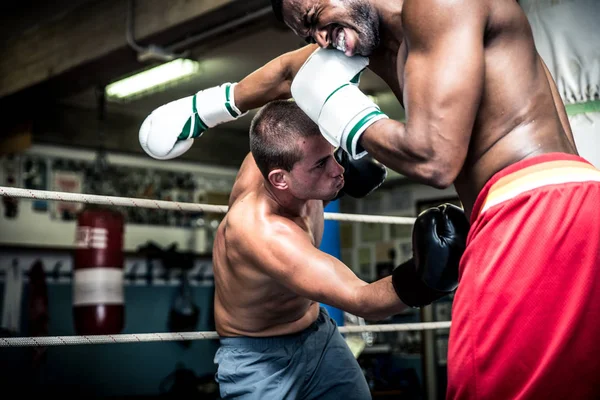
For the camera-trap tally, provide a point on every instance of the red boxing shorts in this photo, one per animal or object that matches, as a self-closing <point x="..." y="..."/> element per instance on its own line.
<point x="526" y="314"/>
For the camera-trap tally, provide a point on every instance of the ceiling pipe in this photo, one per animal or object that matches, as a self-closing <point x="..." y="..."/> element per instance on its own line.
<point x="223" y="28"/>
<point x="151" y="52"/>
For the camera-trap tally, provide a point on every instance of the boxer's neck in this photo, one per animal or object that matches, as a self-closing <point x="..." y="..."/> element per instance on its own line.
<point x="284" y="203"/>
<point x="390" y="24"/>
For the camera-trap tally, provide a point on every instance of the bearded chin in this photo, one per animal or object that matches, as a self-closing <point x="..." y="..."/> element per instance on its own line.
<point x="367" y="25"/>
<point x="368" y="42"/>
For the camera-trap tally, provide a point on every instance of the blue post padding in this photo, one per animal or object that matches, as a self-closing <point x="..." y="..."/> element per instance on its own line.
<point x="330" y="244"/>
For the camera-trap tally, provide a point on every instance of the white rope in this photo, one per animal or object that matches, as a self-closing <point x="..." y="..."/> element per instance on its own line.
<point x="172" y="205"/>
<point x="183" y="336"/>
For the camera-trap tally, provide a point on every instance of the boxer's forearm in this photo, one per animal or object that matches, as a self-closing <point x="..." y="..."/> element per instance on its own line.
<point x="272" y="81"/>
<point x="418" y="156"/>
<point x="268" y="83"/>
<point x="378" y="300"/>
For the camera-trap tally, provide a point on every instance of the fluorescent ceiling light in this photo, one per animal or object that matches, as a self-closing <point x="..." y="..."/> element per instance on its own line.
<point x="152" y="80"/>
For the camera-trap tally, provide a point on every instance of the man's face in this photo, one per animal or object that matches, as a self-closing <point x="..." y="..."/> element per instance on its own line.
<point x="317" y="175"/>
<point x="351" y="26"/>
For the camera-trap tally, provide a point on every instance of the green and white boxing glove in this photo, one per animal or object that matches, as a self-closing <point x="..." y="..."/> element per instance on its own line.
<point x="326" y="89"/>
<point x="170" y="130"/>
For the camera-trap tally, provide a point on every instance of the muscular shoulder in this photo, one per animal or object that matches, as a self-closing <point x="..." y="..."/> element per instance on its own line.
<point x="253" y="227"/>
<point x="248" y="180"/>
<point x="423" y="17"/>
<point x="429" y="8"/>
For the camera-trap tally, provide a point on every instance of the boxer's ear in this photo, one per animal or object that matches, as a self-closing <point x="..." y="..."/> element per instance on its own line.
<point x="278" y="178"/>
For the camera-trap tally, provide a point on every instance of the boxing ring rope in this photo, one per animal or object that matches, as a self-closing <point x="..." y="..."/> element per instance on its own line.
<point x="173" y="205"/>
<point x="40" y="341"/>
<point x="184" y="207"/>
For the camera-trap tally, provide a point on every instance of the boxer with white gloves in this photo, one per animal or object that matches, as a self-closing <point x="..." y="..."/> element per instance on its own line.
<point x="170" y="130"/>
<point x="323" y="89"/>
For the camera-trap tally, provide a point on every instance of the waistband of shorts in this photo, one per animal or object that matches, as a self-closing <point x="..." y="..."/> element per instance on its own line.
<point x="532" y="173"/>
<point x="266" y="342"/>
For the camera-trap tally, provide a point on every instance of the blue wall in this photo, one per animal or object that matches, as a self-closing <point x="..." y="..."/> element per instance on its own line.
<point x="330" y="244"/>
<point x="111" y="369"/>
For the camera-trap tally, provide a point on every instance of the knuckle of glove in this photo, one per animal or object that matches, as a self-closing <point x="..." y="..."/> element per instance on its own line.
<point x="439" y="238"/>
<point x="412" y="288"/>
<point x="447" y="222"/>
<point x="361" y="176"/>
<point x="408" y="285"/>
<point x="457" y="219"/>
<point x="151" y="141"/>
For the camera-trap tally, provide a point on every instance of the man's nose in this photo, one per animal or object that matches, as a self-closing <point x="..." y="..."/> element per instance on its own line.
<point x="338" y="169"/>
<point x="322" y="38"/>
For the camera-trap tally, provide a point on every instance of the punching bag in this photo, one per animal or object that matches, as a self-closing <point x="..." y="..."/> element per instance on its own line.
<point x="98" y="299"/>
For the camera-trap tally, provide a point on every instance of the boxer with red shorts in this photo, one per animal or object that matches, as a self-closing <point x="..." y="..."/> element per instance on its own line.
<point x="526" y="315"/>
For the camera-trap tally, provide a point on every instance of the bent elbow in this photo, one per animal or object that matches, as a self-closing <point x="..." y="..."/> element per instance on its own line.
<point x="433" y="168"/>
<point x="375" y="317"/>
<point x="442" y="181"/>
<point x="439" y="175"/>
<point x="371" y="315"/>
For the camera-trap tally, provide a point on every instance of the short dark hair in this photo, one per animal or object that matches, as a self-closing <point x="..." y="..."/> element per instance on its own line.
<point x="274" y="134"/>
<point x="277" y="9"/>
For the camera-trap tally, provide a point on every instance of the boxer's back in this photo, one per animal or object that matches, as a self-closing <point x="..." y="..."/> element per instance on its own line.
<point x="517" y="116"/>
<point x="248" y="301"/>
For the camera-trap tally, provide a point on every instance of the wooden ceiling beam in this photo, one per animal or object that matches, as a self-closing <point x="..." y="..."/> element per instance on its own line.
<point x="88" y="46"/>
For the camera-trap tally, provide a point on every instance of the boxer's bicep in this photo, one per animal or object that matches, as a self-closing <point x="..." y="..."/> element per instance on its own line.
<point x="292" y="260"/>
<point x="444" y="75"/>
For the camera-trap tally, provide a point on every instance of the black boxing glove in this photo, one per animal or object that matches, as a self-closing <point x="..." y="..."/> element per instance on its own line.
<point x="439" y="239"/>
<point x="361" y="177"/>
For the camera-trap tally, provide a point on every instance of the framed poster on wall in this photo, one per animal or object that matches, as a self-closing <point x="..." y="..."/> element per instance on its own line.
<point x="71" y="182"/>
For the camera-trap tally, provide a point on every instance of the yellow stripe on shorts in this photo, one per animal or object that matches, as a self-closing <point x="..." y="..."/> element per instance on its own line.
<point x="536" y="176"/>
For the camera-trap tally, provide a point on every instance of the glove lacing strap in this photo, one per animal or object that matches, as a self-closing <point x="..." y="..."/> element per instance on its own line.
<point x="356" y="79"/>
<point x="352" y="132"/>
<point x="352" y="146"/>
<point x="196" y="126"/>
<point x="229" y="101"/>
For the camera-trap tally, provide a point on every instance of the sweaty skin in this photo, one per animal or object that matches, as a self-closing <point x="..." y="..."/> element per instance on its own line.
<point x="270" y="274"/>
<point x="477" y="95"/>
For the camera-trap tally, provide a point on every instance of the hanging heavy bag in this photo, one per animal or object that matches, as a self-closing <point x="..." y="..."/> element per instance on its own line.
<point x="98" y="298"/>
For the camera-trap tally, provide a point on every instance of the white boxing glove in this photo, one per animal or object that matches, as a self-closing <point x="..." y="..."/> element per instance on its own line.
<point x="326" y="89"/>
<point x="170" y="130"/>
<point x="321" y="74"/>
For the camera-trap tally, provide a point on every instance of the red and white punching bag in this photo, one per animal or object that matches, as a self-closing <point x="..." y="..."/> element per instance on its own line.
<point x="98" y="299"/>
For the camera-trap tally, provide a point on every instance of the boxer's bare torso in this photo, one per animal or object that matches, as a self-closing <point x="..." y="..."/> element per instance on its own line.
<point x="519" y="113"/>
<point x="249" y="302"/>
